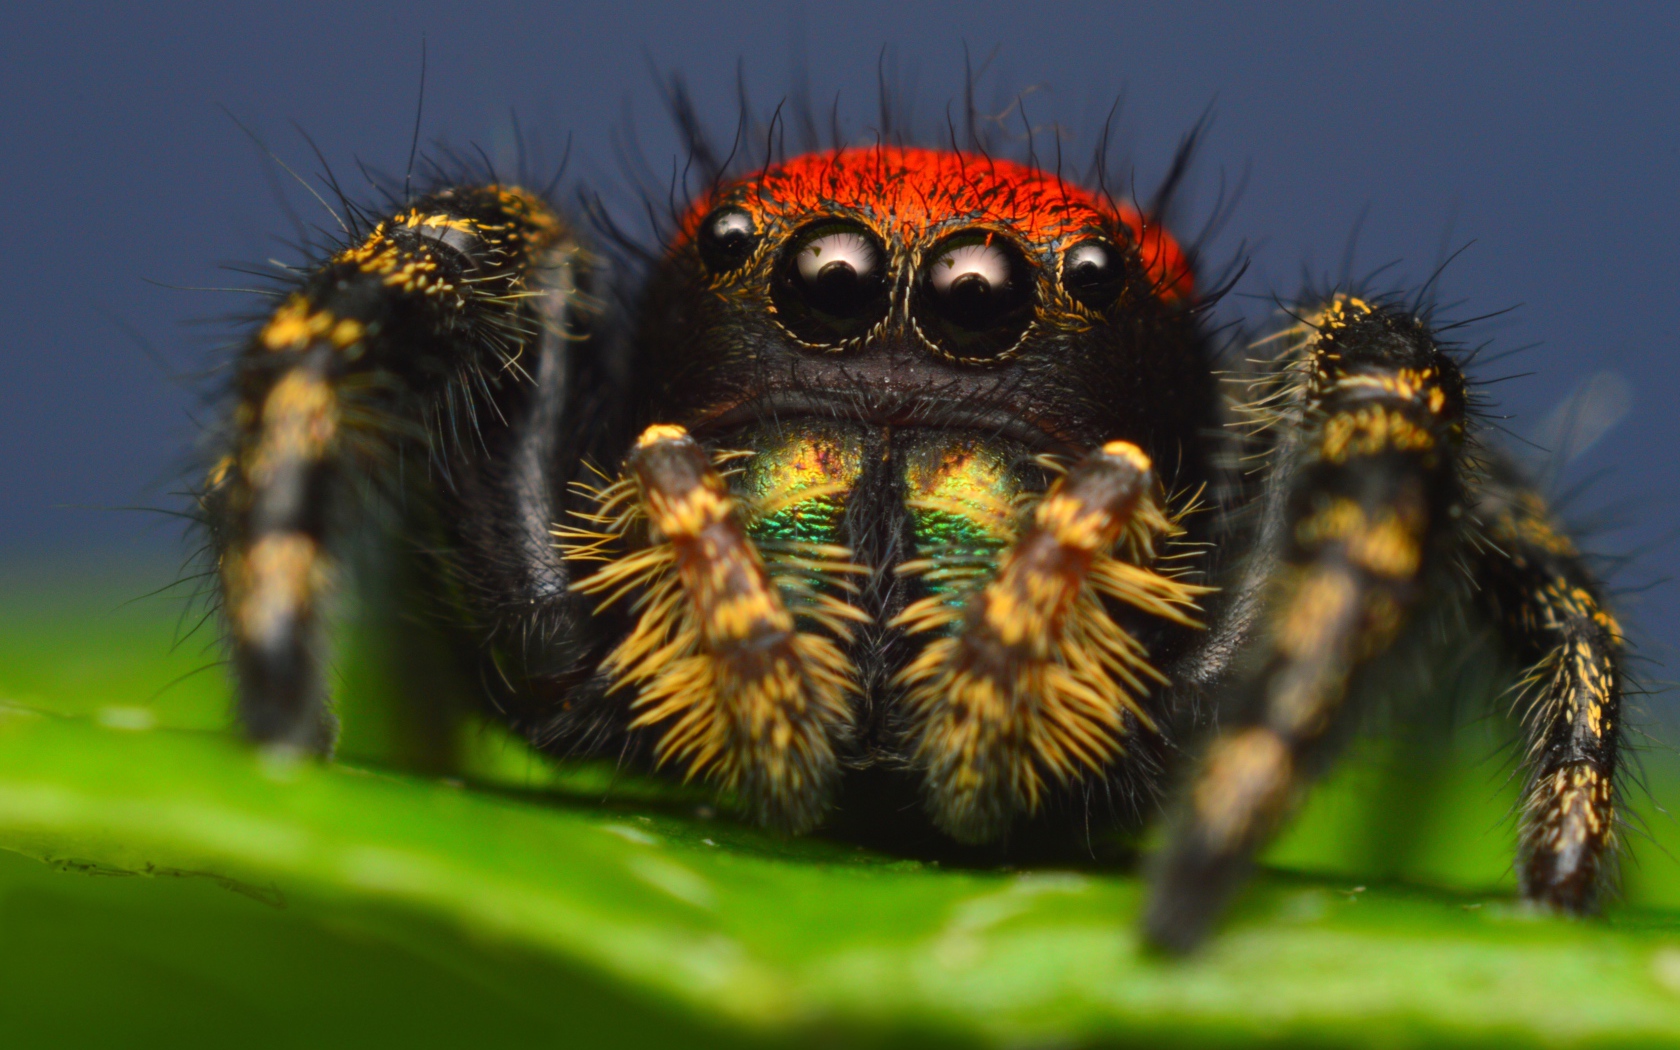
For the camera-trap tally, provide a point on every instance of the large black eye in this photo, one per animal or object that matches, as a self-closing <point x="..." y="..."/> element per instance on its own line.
<point x="974" y="300"/>
<point x="727" y="237"/>
<point x="1093" y="272"/>
<point x="832" y="285"/>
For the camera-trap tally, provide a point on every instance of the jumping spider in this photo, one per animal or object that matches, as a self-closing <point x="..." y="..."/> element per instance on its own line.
<point x="903" y="459"/>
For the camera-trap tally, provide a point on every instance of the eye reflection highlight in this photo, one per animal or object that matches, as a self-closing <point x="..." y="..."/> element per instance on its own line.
<point x="974" y="300"/>
<point x="983" y="266"/>
<point x="832" y="285"/>
<point x="843" y="256"/>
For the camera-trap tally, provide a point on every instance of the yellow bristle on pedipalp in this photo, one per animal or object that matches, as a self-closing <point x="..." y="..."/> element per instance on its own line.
<point x="735" y="653"/>
<point x="1031" y="679"/>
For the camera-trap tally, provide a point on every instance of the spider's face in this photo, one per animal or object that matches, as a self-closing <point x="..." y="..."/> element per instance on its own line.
<point x="920" y="324"/>
<point x="913" y="287"/>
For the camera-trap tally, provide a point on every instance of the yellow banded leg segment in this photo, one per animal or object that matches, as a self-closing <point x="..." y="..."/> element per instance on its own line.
<point x="434" y="302"/>
<point x="738" y="690"/>
<point x="1369" y="494"/>
<point x="1549" y="610"/>
<point x="1032" y="680"/>
<point x="277" y="575"/>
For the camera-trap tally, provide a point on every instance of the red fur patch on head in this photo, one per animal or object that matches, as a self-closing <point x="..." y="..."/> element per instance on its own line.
<point x="911" y="195"/>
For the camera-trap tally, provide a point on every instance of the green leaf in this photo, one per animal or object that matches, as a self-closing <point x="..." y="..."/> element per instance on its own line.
<point x="194" y="891"/>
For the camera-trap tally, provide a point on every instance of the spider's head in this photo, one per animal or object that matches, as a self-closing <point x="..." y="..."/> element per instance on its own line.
<point x="921" y="287"/>
<point x="916" y="328"/>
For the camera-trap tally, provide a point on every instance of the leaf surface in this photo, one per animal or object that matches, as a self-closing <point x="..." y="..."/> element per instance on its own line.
<point x="191" y="885"/>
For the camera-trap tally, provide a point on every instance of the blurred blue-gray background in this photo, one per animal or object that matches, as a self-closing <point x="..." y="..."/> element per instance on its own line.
<point x="1540" y="136"/>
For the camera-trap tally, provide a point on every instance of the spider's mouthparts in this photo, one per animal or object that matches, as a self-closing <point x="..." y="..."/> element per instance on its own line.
<point x="919" y="414"/>
<point x="898" y="399"/>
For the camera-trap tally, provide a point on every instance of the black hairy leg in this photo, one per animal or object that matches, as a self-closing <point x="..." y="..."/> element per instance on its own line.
<point x="1549" y="609"/>
<point x="391" y="358"/>
<point x="1366" y="496"/>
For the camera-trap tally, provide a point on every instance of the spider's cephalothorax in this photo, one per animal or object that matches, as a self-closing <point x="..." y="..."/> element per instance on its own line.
<point x="913" y="460"/>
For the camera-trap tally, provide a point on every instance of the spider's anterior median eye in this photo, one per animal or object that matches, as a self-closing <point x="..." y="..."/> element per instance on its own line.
<point x="832" y="285"/>
<point x="727" y="237"/>
<point x="1093" y="272"/>
<point x="974" y="301"/>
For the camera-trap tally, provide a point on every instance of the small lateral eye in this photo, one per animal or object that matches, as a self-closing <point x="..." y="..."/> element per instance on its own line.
<point x="974" y="301"/>
<point x="1093" y="272"/>
<point x="832" y="284"/>
<point x="727" y="237"/>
